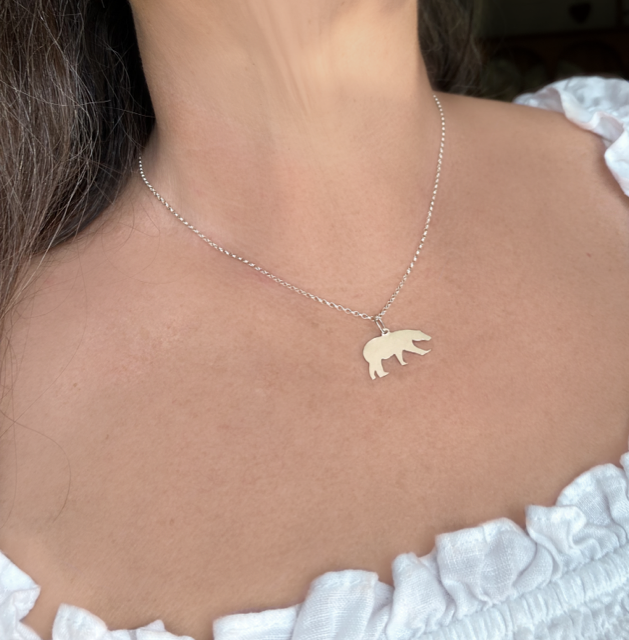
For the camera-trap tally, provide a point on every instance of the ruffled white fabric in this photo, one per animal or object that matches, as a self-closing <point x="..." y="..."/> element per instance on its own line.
<point x="566" y="577"/>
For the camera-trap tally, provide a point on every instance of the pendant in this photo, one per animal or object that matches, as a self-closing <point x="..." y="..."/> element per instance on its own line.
<point x="391" y="343"/>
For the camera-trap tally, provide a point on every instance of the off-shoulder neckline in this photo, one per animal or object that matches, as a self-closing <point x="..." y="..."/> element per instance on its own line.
<point x="583" y="537"/>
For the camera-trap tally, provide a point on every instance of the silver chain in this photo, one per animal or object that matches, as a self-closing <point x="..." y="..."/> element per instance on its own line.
<point x="375" y="318"/>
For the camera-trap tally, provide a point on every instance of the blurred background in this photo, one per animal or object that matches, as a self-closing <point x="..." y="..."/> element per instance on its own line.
<point x="528" y="43"/>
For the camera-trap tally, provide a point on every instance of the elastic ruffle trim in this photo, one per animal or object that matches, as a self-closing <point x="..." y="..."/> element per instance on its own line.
<point x="566" y="575"/>
<point x="568" y="571"/>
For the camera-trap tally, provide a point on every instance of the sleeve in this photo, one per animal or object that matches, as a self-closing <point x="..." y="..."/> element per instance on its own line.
<point x="600" y="105"/>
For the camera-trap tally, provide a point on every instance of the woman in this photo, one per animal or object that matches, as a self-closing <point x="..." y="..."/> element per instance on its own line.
<point x="185" y="440"/>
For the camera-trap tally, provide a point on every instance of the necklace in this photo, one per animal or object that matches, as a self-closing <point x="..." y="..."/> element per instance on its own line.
<point x="388" y="343"/>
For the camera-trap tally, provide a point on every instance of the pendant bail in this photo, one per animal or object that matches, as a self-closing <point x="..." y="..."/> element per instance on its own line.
<point x="380" y="325"/>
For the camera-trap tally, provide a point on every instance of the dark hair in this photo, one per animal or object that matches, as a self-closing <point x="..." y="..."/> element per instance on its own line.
<point x="449" y="48"/>
<point x="75" y="110"/>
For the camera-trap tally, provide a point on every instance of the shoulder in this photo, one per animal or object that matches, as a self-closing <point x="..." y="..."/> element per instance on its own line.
<point x="567" y="144"/>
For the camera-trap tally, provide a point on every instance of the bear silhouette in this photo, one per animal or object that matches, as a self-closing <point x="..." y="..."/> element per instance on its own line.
<point x="392" y="343"/>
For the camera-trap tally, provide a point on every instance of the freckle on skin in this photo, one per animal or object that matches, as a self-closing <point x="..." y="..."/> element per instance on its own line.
<point x="589" y="255"/>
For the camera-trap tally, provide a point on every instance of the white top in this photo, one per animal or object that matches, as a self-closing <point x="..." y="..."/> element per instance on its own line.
<point x="566" y="577"/>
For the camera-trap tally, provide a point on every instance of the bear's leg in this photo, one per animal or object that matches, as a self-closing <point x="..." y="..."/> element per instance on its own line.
<point x="416" y="349"/>
<point x="377" y="369"/>
<point x="400" y="357"/>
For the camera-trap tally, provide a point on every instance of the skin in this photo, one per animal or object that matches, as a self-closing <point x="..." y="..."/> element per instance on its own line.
<point x="183" y="439"/>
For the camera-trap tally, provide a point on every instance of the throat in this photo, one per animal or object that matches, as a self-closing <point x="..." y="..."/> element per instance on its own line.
<point x="287" y="124"/>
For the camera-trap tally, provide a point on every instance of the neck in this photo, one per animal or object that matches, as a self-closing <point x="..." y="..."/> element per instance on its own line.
<point x="279" y="118"/>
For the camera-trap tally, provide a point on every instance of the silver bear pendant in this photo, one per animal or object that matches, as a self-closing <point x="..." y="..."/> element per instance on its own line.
<point x="391" y="343"/>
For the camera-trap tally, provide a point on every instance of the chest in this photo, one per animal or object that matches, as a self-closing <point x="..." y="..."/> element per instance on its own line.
<point x="226" y="439"/>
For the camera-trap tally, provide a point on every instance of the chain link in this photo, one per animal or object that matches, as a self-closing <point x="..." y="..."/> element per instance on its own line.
<point x="374" y="318"/>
